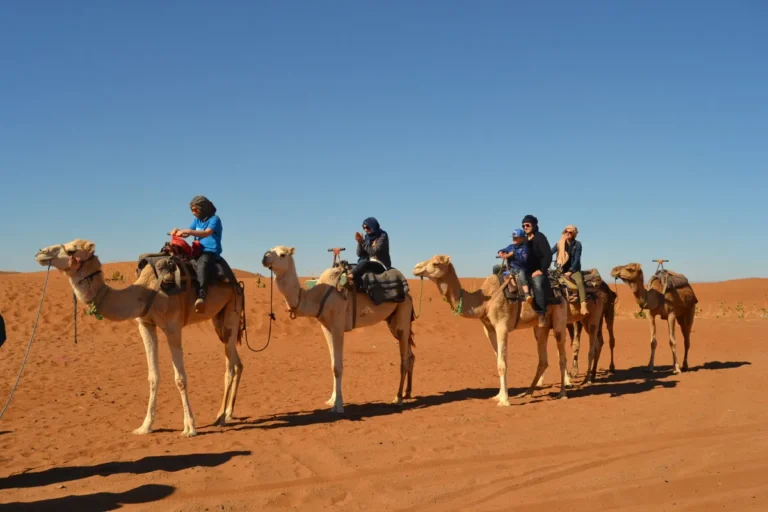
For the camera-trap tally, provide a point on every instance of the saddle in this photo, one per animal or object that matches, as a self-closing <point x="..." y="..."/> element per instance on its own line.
<point x="514" y="293"/>
<point x="592" y="283"/>
<point x="380" y="285"/>
<point x="180" y="274"/>
<point x="669" y="279"/>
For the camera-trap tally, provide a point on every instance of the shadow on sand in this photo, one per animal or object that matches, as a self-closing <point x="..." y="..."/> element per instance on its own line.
<point x="95" y="502"/>
<point x="168" y="463"/>
<point x="621" y="382"/>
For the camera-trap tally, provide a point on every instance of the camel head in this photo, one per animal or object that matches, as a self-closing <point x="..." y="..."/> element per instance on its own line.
<point x="628" y="273"/>
<point x="279" y="259"/>
<point x="64" y="256"/>
<point x="434" y="268"/>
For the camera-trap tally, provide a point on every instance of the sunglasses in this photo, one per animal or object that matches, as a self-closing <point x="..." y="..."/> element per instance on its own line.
<point x="526" y="225"/>
<point x="569" y="232"/>
<point x="366" y="228"/>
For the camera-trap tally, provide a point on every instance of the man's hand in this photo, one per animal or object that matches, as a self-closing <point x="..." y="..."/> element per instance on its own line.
<point x="359" y="237"/>
<point x="536" y="274"/>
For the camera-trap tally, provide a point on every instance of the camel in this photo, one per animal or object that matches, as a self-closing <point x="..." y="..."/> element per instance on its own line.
<point x="499" y="317"/>
<point x="575" y="328"/>
<point x="152" y="308"/>
<point x="335" y="315"/>
<point x="669" y="302"/>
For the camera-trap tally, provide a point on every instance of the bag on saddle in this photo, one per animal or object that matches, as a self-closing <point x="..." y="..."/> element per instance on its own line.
<point x="389" y="286"/>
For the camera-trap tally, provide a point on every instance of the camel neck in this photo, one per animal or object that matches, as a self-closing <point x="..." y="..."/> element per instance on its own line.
<point x="462" y="302"/>
<point x="113" y="304"/>
<point x="288" y="285"/>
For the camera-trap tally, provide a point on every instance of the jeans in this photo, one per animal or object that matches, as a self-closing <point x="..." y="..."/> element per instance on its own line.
<point x="204" y="268"/>
<point x="542" y="291"/>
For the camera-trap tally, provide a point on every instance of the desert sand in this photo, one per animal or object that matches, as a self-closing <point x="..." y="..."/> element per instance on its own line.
<point x="632" y="441"/>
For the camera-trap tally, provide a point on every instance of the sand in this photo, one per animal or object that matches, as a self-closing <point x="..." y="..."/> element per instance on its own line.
<point x="633" y="441"/>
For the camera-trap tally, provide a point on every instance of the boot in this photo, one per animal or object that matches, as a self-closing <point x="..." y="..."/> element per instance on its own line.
<point x="200" y="303"/>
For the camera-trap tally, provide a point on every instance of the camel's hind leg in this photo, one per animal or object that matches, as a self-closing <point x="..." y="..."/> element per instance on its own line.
<point x="149" y="336"/>
<point x="595" y="349"/>
<point x="400" y="324"/>
<point x="672" y="342"/>
<point x="177" y="355"/>
<point x="335" y="340"/>
<point x="654" y="343"/>
<point x="227" y="325"/>
<point x="541" y="334"/>
<point x="686" y="328"/>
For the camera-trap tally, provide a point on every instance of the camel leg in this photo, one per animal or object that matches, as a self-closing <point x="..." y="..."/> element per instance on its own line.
<point x="673" y="342"/>
<point x="501" y="362"/>
<point x="609" y="317"/>
<point x="490" y="333"/>
<point x="595" y="347"/>
<point x="399" y="326"/>
<point x="575" y="346"/>
<point x="652" y="323"/>
<point x="149" y="336"/>
<point x="564" y="380"/>
<point x="335" y="340"/>
<point x="686" y="328"/>
<point x="541" y="334"/>
<point x="177" y="355"/>
<point x="227" y="328"/>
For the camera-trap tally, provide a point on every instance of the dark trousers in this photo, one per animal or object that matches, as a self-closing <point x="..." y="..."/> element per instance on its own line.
<point x="204" y="268"/>
<point x="542" y="292"/>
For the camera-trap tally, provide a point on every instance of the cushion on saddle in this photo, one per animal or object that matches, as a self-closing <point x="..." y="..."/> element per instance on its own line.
<point x="389" y="286"/>
<point x="669" y="278"/>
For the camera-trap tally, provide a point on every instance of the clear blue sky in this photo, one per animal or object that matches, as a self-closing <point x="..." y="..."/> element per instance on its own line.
<point x="643" y="123"/>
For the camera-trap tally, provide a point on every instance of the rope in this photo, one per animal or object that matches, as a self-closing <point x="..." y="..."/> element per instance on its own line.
<point x="74" y="313"/>
<point x="421" y="296"/>
<point x="29" y="345"/>
<point x="271" y="317"/>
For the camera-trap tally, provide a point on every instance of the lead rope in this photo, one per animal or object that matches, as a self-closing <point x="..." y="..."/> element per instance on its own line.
<point x="29" y="345"/>
<point x="421" y="296"/>
<point x="271" y="317"/>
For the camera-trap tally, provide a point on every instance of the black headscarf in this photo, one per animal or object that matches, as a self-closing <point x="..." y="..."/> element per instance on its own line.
<point x="207" y="210"/>
<point x="533" y="221"/>
<point x="372" y="223"/>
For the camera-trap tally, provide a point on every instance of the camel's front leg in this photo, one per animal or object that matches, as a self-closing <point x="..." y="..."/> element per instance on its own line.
<point x="609" y="315"/>
<point x="149" y="337"/>
<point x="177" y="355"/>
<point x="501" y="362"/>
<point x="652" y="323"/>
<point x="490" y="333"/>
<point x="672" y="341"/>
<point x="541" y="334"/>
<point x="686" y="327"/>
<point x="575" y="346"/>
<point x="595" y="345"/>
<point x="335" y="340"/>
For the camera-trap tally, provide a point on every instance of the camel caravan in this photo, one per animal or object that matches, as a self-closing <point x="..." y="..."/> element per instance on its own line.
<point x="185" y="284"/>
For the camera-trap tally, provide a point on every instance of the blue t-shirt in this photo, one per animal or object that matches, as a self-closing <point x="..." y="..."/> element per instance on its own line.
<point x="210" y="243"/>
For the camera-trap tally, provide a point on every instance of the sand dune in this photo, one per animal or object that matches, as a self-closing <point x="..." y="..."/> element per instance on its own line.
<point x="635" y="441"/>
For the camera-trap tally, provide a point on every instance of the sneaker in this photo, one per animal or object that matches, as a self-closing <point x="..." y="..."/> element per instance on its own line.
<point x="200" y="305"/>
<point x="528" y="298"/>
<point x="542" y="320"/>
<point x="584" y="310"/>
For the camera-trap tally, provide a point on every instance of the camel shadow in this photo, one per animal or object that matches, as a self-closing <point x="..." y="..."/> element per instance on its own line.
<point x="359" y="412"/>
<point x="170" y="463"/>
<point x="662" y="372"/>
<point x="95" y="502"/>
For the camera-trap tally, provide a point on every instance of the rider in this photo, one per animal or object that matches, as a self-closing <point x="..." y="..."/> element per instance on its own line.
<point x="568" y="251"/>
<point x="539" y="260"/>
<point x="516" y="255"/>
<point x="206" y="227"/>
<point x="373" y="246"/>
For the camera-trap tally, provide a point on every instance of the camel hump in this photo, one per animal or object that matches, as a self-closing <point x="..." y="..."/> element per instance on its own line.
<point x="669" y="278"/>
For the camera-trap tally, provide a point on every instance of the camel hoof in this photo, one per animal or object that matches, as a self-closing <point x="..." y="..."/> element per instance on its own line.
<point x="220" y="421"/>
<point x="649" y="369"/>
<point x="562" y="396"/>
<point x="339" y="409"/>
<point x="397" y="401"/>
<point x="331" y="401"/>
<point x="503" y="402"/>
<point x="676" y="371"/>
<point x="612" y="369"/>
<point x="142" y="431"/>
<point x="191" y="432"/>
<point x="407" y="395"/>
<point x="524" y="394"/>
<point x="684" y="368"/>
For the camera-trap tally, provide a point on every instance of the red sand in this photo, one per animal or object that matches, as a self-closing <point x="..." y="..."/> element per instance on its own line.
<point x="635" y="441"/>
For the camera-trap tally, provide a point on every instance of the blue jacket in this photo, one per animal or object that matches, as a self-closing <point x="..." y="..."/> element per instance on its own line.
<point x="519" y="256"/>
<point x="574" y="256"/>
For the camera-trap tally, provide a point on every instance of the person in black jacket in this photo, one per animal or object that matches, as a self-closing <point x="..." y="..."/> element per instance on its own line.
<point x="373" y="246"/>
<point x="539" y="260"/>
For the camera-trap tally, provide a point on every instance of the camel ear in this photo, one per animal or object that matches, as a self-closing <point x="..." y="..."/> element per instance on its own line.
<point x="89" y="247"/>
<point x="291" y="250"/>
<point x="442" y="259"/>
